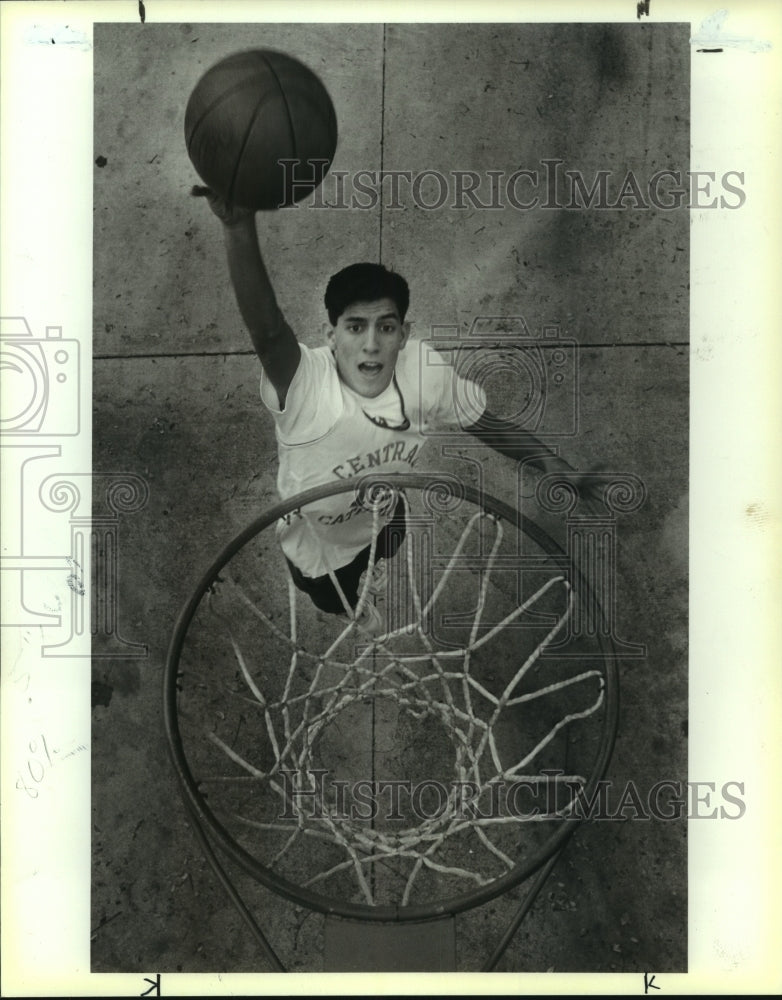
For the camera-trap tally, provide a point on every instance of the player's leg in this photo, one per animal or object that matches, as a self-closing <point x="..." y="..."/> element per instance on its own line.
<point x="391" y="535"/>
<point x="325" y="597"/>
<point x="321" y="589"/>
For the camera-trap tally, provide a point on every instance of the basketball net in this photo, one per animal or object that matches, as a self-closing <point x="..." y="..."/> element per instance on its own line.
<point x="464" y="841"/>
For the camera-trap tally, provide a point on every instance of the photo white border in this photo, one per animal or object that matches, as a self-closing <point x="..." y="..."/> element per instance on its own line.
<point x="736" y="370"/>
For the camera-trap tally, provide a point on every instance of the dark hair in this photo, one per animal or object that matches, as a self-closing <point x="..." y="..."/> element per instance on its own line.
<point x="365" y="283"/>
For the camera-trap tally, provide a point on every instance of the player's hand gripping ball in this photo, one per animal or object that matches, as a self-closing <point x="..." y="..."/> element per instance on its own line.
<point x="230" y="215"/>
<point x="260" y="129"/>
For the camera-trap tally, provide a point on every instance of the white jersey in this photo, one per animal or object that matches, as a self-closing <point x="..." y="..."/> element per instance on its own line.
<point x="325" y="434"/>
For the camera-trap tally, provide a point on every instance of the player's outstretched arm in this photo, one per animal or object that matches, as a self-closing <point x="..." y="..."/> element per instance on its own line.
<point x="509" y="439"/>
<point x="273" y="340"/>
<point x="515" y="442"/>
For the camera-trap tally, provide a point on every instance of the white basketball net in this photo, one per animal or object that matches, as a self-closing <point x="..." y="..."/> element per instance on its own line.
<point x="427" y="684"/>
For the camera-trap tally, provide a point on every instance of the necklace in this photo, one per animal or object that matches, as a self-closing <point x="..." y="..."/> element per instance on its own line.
<point x="385" y="424"/>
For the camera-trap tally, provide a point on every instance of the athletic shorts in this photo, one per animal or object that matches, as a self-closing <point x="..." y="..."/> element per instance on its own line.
<point x="322" y="591"/>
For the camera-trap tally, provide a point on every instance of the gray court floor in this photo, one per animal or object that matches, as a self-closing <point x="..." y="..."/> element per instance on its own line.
<point x="176" y="402"/>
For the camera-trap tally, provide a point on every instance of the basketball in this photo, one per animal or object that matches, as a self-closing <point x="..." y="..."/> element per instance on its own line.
<point x="248" y="113"/>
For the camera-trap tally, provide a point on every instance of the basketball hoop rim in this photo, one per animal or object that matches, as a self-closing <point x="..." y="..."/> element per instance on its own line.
<point x="266" y="876"/>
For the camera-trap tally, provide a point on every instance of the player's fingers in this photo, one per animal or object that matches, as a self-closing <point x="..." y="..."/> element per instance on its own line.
<point x="198" y="191"/>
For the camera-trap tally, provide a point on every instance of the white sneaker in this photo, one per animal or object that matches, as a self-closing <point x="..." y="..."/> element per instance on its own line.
<point x="370" y="620"/>
<point x="378" y="580"/>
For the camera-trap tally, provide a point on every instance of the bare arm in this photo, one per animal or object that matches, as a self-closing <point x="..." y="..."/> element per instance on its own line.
<point x="273" y="340"/>
<point x="514" y="442"/>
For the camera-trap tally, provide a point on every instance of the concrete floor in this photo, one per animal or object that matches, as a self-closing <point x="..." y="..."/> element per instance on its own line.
<point x="176" y="402"/>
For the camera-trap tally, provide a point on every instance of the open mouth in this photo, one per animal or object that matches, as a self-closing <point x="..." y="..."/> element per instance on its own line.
<point x="370" y="368"/>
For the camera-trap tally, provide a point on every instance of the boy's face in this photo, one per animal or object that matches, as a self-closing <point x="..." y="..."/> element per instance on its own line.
<point x="366" y="342"/>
